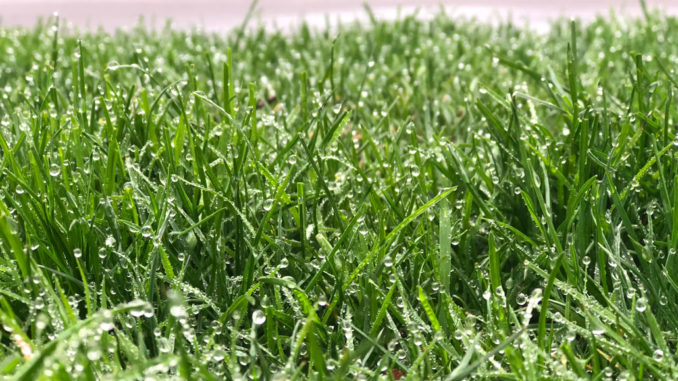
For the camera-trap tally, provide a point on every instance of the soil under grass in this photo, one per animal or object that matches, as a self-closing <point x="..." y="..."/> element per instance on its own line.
<point x="434" y="199"/>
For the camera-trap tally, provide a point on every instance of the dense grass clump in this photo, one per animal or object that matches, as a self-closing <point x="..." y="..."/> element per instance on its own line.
<point x="422" y="199"/>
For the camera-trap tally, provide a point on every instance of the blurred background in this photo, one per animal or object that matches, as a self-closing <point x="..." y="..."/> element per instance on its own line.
<point x="221" y="15"/>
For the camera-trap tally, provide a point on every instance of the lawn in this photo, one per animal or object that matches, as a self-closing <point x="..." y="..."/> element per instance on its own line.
<point x="439" y="199"/>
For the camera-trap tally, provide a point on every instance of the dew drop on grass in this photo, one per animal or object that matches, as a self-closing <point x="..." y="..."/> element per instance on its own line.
<point x="268" y="204"/>
<point x="641" y="305"/>
<point x="54" y="170"/>
<point x="146" y="231"/>
<point x="521" y="299"/>
<point x="586" y="260"/>
<point x="147" y="311"/>
<point x="284" y="263"/>
<point x="663" y="300"/>
<point x="487" y="294"/>
<point x="658" y="355"/>
<point x="516" y="190"/>
<point x="77" y="252"/>
<point x="236" y="315"/>
<point x="388" y="261"/>
<point x="322" y="301"/>
<point x="110" y="241"/>
<point x="137" y="312"/>
<point x="499" y="292"/>
<point x="571" y="335"/>
<point x="178" y="311"/>
<point x="258" y="317"/>
<point x="107" y="321"/>
<point x="19" y="189"/>
<point x="102" y="252"/>
<point x="608" y="372"/>
<point x="93" y="354"/>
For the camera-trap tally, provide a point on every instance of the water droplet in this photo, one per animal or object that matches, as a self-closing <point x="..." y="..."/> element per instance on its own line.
<point x="258" y="317"/>
<point x="147" y="311"/>
<point x="292" y="159"/>
<point x="388" y="261"/>
<point x="499" y="291"/>
<point x="136" y="312"/>
<point x="107" y="323"/>
<point x="110" y="241"/>
<point x="93" y="354"/>
<point x="77" y="252"/>
<point x="19" y="189"/>
<point x="322" y="301"/>
<point x="178" y="311"/>
<point x="146" y="231"/>
<point x="54" y="170"/>
<point x="641" y="305"/>
<point x="521" y="299"/>
<point x="658" y="355"/>
<point x="268" y="204"/>
<point x="571" y="335"/>
<point x="487" y="294"/>
<point x="586" y="260"/>
<point x="608" y="372"/>
<point x="284" y="263"/>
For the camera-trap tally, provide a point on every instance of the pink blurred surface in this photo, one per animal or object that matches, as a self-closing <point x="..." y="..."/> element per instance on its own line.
<point x="218" y="15"/>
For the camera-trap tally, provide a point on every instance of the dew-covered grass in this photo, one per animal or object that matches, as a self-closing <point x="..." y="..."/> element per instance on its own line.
<point x="436" y="199"/>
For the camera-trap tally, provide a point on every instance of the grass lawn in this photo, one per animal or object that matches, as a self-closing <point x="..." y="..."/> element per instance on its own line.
<point x="413" y="199"/>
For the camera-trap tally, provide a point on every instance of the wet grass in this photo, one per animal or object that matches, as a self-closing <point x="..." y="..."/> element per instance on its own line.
<point x="425" y="199"/>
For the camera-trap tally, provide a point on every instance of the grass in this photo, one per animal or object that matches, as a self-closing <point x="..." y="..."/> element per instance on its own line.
<point x="411" y="199"/>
